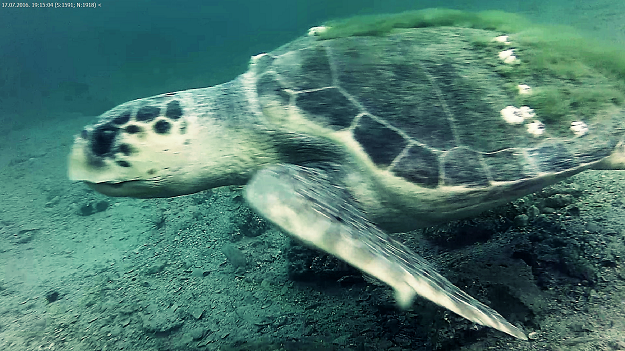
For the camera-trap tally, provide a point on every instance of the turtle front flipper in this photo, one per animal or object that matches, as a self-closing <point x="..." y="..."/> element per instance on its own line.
<point x="311" y="205"/>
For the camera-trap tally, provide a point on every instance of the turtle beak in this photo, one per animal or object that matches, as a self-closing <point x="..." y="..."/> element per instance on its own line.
<point x="132" y="188"/>
<point x="110" y="189"/>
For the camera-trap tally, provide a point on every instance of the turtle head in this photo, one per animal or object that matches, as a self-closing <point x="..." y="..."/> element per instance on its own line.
<point x="160" y="147"/>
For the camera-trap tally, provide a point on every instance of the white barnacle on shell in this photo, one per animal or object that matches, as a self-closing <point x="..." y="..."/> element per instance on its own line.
<point x="316" y="31"/>
<point x="502" y="39"/>
<point x="507" y="56"/>
<point x="512" y="115"/>
<point x="536" y="128"/>
<point x="524" y="89"/>
<point x="527" y="112"/>
<point x="515" y="115"/>
<point x="579" y="128"/>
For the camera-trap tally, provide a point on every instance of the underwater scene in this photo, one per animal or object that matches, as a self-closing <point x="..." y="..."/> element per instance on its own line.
<point x="312" y="175"/>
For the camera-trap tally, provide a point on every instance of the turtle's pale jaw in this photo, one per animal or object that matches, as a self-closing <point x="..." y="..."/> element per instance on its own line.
<point x="133" y="188"/>
<point x="168" y="186"/>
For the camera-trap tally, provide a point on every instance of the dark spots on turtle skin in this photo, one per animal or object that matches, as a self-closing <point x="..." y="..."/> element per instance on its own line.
<point x="133" y="129"/>
<point x="151" y="171"/>
<point x="183" y="128"/>
<point x="102" y="139"/>
<point x="123" y="163"/>
<point x="420" y="166"/>
<point x="162" y="126"/>
<point x="173" y="111"/>
<point x="122" y="118"/>
<point x="96" y="161"/>
<point x="328" y="107"/>
<point x="463" y="167"/>
<point x="125" y="149"/>
<point x="380" y="142"/>
<point x="147" y="113"/>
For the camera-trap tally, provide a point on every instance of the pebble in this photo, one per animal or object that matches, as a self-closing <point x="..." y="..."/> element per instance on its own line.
<point x="521" y="220"/>
<point x="197" y="312"/>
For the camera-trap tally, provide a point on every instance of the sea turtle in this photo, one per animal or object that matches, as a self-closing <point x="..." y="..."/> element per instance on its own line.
<point x="377" y="125"/>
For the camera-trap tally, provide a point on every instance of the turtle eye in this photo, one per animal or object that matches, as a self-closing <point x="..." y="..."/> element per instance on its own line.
<point x="84" y="134"/>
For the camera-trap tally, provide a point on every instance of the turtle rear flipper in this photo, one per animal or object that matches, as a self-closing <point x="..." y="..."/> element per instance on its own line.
<point x="311" y="205"/>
